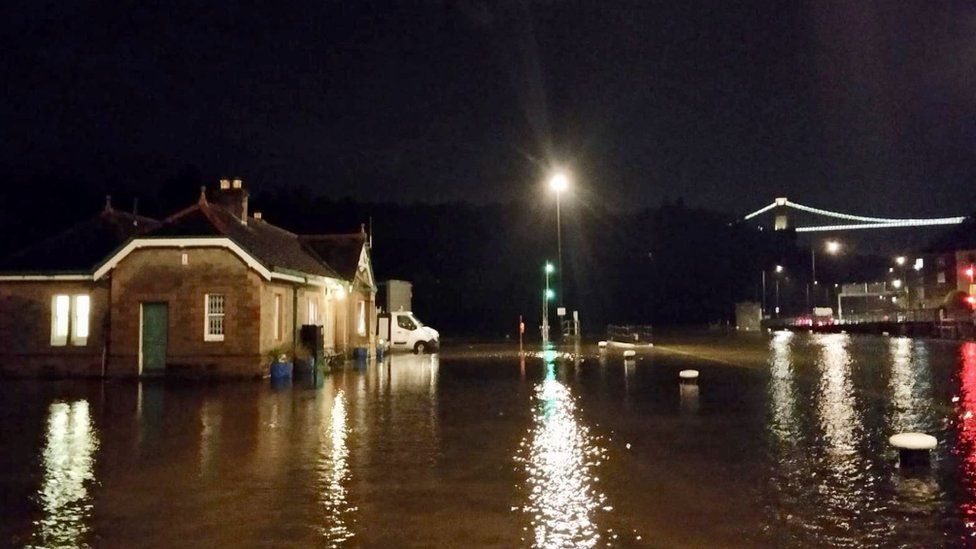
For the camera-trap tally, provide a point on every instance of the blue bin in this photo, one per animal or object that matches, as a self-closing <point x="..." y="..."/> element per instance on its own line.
<point x="281" y="370"/>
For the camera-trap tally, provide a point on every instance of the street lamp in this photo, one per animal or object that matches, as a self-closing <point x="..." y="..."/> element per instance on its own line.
<point x="559" y="183"/>
<point x="547" y="295"/>
<point x="832" y="247"/>
<point x="779" y="269"/>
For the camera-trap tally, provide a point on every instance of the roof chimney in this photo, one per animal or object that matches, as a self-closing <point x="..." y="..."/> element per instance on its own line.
<point x="232" y="196"/>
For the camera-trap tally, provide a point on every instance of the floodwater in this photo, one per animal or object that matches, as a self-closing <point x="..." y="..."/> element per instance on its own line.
<point x="783" y="442"/>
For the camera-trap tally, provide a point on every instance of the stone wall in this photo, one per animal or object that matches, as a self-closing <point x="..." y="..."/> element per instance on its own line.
<point x="160" y="275"/>
<point x="25" y="330"/>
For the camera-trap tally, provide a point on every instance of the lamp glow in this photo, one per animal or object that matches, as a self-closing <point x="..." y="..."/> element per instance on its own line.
<point x="559" y="182"/>
<point x="832" y="246"/>
<point x="549" y="268"/>
<point x="900" y="260"/>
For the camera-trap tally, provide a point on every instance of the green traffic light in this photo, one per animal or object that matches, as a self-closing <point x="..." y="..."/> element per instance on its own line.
<point x="550" y="268"/>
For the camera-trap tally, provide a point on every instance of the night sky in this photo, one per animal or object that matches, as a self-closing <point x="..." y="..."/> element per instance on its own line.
<point x="868" y="107"/>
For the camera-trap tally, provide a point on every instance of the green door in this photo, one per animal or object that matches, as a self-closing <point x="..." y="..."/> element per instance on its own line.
<point x="155" y="324"/>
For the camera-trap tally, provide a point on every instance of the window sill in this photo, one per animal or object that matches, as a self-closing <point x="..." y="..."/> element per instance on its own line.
<point x="213" y="338"/>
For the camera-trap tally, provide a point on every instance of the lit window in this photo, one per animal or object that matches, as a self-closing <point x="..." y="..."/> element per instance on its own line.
<point x="361" y="324"/>
<point x="940" y="278"/>
<point x="276" y="323"/>
<point x="79" y="320"/>
<point x="214" y="315"/>
<point x="70" y="315"/>
<point x="60" y="309"/>
<point x="313" y="311"/>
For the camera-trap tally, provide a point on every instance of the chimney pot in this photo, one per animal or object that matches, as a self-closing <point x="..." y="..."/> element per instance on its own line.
<point x="225" y="183"/>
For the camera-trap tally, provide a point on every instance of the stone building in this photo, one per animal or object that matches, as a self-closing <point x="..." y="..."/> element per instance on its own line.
<point x="211" y="290"/>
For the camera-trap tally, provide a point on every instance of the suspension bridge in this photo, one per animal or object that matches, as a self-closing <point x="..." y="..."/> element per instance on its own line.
<point x="781" y="207"/>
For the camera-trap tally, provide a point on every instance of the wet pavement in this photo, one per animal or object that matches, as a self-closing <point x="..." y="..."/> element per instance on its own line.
<point x="783" y="442"/>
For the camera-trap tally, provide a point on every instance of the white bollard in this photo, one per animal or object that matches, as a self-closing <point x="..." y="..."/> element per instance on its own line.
<point x="688" y="376"/>
<point x="630" y="353"/>
<point x="913" y="448"/>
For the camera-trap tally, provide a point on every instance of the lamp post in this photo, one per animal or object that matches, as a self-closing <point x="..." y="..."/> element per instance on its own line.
<point x="546" y="296"/>
<point x="831" y="247"/>
<point x="559" y="183"/>
<point x="779" y="269"/>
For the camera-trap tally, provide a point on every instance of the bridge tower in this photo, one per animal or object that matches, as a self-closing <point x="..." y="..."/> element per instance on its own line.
<point x="781" y="215"/>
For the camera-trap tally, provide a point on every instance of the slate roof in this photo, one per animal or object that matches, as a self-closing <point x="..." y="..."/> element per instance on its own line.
<point x="84" y="247"/>
<point x="340" y="251"/>
<point x="80" y="249"/>
<point x="276" y="248"/>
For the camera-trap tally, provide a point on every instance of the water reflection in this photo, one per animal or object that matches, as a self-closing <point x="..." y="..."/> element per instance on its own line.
<point x="836" y="407"/>
<point x="910" y="385"/>
<point x="561" y="458"/>
<point x="68" y="457"/>
<point x="688" y="394"/>
<point x="334" y="475"/>
<point x="847" y="492"/>
<point x="782" y="387"/>
<point x="967" y="434"/>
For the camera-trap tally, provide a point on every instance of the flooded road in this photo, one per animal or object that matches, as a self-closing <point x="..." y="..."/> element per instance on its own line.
<point x="783" y="442"/>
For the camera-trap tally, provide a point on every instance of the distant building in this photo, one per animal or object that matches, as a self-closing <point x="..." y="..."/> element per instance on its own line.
<point x="395" y="295"/>
<point x="748" y="316"/>
<point x="948" y="267"/>
<point x="211" y="290"/>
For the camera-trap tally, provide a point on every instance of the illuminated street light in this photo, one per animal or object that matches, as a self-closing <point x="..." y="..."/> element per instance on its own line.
<point x="832" y="246"/>
<point x="779" y="268"/>
<point x="559" y="183"/>
<point x="900" y="260"/>
<point x="549" y="268"/>
<point x="896" y="283"/>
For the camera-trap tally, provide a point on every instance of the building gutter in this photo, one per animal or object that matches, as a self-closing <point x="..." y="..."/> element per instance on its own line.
<point x="49" y="277"/>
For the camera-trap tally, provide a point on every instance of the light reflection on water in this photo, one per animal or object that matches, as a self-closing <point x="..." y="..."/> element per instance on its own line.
<point x="561" y="458"/>
<point x="909" y="385"/>
<point x="782" y="388"/>
<point x="334" y="475"/>
<point x="967" y="434"/>
<point x="68" y="457"/>
<point x="420" y="440"/>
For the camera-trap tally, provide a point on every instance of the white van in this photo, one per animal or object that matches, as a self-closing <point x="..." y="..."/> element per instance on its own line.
<point x="402" y="330"/>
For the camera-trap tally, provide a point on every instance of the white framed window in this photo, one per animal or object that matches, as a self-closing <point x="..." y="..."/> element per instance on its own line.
<point x="80" y="320"/>
<point x="214" y="315"/>
<point x="940" y="278"/>
<point x="60" y="319"/>
<point x="313" y="311"/>
<point x="70" y="320"/>
<point x="276" y="321"/>
<point x="361" y="320"/>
